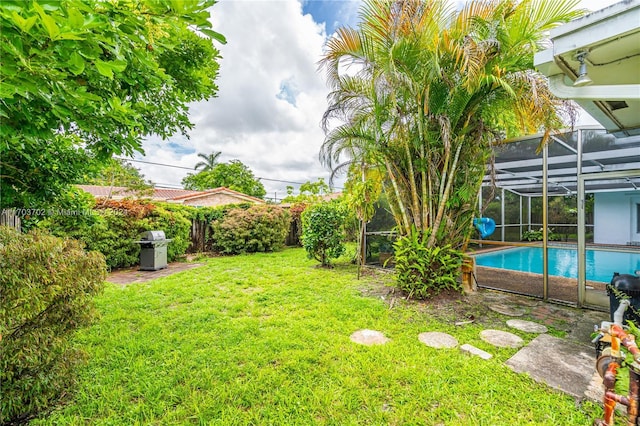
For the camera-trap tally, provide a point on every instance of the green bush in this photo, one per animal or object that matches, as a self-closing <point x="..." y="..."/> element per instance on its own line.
<point x="537" y="235"/>
<point x="422" y="271"/>
<point x="259" y="228"/>
<point x="206" y="216"/>
<point x="112" y="227"/>
<point x="323" y="231"/>
<point x="175" y="226"/>
<point x="114" y="237"/>
<point x="46" y="290"/>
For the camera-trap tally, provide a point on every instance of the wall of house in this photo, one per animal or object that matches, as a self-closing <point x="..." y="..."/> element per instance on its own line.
<point x="214" y="200"/>
<point x="612" y="218"/>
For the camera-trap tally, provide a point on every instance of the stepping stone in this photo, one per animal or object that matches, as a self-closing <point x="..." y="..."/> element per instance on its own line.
<point x="472" y="350"/>
<point x="501" y="339"/>
<point x="510" y="311"/>
<point x="436" y="339"/>
<point x="369" y="337"/>
<point x="527" y="326"/>
<point x="557" y="362"/>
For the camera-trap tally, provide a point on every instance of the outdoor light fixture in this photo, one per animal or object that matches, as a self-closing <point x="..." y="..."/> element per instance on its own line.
<point x="583" y="79"/>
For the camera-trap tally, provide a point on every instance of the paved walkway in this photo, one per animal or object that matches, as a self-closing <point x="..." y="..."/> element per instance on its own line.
<point x="133" y="275"/>
<point x="566" y="364"/>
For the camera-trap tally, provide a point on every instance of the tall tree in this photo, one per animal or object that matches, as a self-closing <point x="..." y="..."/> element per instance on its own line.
<point x="210" y="161"/>
<point x="84" y="79"/>
<point x="233" y="175"/>
<point x="427" y="93"/>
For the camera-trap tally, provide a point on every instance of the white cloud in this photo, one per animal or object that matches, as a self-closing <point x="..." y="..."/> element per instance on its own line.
<point x="270" y="45"/>
<point x="271" y="96"/>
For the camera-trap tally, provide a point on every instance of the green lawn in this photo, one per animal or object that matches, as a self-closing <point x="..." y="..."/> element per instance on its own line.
<point x="264" y="340"/>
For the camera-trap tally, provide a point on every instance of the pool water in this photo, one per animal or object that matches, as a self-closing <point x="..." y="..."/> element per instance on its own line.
<point x="563" y="262"/>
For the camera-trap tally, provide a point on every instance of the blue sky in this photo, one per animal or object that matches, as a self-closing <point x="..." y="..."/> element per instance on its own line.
<point x="333" y="13"/>
<point x="271" y="96"/>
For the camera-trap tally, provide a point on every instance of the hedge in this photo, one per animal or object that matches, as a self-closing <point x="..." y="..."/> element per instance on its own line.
<point x="260" y="228"/>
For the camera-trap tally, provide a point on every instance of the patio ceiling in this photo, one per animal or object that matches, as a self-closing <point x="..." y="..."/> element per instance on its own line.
<point x="519" y="169"/>
<point x="610" y="39"/>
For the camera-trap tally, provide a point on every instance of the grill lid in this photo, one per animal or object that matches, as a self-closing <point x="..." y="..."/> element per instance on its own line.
<point x="153" y="236"/>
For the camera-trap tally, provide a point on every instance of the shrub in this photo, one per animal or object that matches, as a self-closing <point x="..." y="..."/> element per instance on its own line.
<point x="323" y="231"/>
<point x="46" y="287"/>
<point x="175" y="226"/>
<point x="423" y="271"/>
<point x="109" y="227"/>
<point x="114" y="227"/>
<point x="537" y="235"/>
<point x="259" y="228"/>
<point x="113" y="236"/>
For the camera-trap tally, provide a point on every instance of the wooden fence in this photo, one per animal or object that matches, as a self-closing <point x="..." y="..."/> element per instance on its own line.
<point x="199" y="233"/>
<point x="8" y="217"/>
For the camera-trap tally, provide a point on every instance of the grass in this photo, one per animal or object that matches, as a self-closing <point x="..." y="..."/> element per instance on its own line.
<point x="264" y="340"/>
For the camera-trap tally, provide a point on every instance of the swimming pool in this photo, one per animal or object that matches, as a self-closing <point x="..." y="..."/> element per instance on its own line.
<point x="563" y="262"/>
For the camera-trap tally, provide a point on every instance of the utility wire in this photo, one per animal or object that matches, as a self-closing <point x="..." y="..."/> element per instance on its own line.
<point x="189" y="168"/>
<point x="155" y="164"/>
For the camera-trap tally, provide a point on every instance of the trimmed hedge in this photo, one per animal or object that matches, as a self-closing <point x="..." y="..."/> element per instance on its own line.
<point x="260" y="228"/>
<point x="46" y="290"/>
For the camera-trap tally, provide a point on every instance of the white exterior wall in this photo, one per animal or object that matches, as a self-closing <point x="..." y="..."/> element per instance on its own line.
<point x="612" y="218"/>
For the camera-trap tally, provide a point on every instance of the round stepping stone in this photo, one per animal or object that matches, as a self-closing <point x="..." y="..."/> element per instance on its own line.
<point x="368" y="337"/>
<point x="501" y="339"/>
<point x="436" y="339"/>
<point x="528" y="326"/>
<point x="510" y="311"/>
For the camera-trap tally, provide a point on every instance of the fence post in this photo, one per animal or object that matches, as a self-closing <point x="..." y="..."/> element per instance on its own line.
<point x="8" y="217"/>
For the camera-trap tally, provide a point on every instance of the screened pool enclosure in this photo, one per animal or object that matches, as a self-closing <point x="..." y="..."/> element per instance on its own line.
<point x="579" y="192"/>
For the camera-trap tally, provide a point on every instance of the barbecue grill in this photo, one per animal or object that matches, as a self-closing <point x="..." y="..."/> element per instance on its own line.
<point x="153" y="250"/>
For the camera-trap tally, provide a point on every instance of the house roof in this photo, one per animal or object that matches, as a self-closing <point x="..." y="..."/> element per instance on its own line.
<point x="221" y="190"/>
<point x="159" y="194"/>
<point x="609" y="42"/>
<point x="164" y="194"/>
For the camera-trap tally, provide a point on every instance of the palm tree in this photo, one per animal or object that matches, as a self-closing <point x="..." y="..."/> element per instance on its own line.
<point x="209" y="162"/>
<point x="428" y="92"/>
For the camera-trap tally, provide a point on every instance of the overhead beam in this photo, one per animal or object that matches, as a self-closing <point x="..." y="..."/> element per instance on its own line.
<point x="610" y="92"/>
<point x="559" y="172"/>
<point x="621" y="154"/>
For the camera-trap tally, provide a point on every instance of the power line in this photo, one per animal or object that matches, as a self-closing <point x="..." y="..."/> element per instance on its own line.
<point x="155" y="164"/>
<point x="189" y="168"/>
<point x="168" y="185"/>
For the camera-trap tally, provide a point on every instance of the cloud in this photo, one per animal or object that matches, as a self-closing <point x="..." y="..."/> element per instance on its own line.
<point x="270" y="101"/>
<point x="271" y="96"/>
